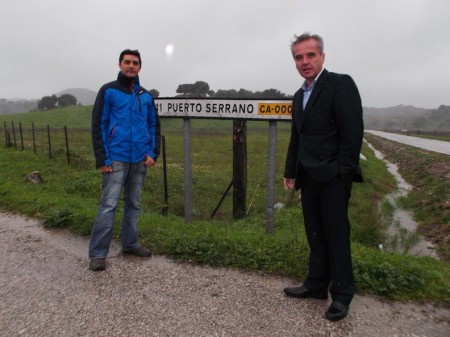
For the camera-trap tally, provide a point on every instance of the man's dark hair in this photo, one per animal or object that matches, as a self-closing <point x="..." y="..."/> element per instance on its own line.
<point x="130" y="52"/>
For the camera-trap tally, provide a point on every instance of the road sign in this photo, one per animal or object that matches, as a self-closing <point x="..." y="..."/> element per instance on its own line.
<point x="224" y="108"/>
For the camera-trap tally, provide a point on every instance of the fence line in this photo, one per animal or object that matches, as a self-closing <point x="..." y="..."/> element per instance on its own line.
<point x="76" y="145"/>
<point x="43" y="138"/>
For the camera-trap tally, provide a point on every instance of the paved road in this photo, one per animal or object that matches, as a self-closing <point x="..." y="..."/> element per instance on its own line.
<point x="47" y="290"/>
<point x="424" y="143"/>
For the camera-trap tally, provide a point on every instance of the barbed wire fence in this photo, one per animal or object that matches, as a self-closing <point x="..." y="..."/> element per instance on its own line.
<point x="52" y="141"/>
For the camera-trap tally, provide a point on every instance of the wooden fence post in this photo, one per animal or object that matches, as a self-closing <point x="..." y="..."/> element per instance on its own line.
<point x="67" y="145"/>
<point x="49" y="142"/>
<point x="239" y="168"/>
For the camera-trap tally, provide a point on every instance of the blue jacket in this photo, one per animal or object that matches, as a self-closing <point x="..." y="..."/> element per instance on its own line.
<point x="125" y="124"/>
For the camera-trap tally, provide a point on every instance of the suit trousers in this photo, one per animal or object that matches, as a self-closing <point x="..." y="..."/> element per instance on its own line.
<point x="325" y="213"/>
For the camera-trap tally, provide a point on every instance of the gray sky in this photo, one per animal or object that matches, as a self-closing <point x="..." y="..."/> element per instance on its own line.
<point x="397" y="51"/>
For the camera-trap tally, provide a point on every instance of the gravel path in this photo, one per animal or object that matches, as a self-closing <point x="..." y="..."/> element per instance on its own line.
<point x="46" y="289"/>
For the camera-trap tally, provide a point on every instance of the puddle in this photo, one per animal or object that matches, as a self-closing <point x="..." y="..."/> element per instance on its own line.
<point x="401" y="232"/>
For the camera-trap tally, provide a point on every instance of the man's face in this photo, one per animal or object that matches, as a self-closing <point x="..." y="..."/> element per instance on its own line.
<point x="308" y="60"/>
<point x="130" y="65"/>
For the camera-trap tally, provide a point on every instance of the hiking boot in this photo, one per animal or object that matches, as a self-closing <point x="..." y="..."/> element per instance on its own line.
<point x="97" y="264"/>
<point x="141" y="252"/>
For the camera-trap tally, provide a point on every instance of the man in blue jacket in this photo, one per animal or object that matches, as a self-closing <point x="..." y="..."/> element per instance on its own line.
<point x="126" y="141"/>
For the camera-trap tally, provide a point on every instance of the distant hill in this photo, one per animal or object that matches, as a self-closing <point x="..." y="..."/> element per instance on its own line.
<point x="407" y="117"/>
<point x="17" y="105"/>
<point x="11" y="106"/>
<point x="84" y="96"/>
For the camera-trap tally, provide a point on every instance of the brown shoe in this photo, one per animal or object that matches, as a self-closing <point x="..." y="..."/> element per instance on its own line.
<point x="97" y="264"/>
<point x="141" y="252"/>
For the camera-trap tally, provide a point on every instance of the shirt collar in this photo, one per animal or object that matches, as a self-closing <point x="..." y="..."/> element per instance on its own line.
<point x="311" y="87"/>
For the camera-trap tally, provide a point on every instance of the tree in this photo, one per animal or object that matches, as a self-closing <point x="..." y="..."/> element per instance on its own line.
<point x="184" y="89"/>
<point x="47" y="102"/>
<point x="154" y="92"/>
<point x="419" y="123"/>
<point x="244" y="93"/>
<point x="270" y="93"/>
<point x="198" y="89"/>
<point x="67" y="100"/>
<point x="230" y="93"/>
<point x="201" y="89"/>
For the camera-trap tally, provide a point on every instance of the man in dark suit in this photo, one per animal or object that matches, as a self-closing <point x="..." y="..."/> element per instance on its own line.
<point x="323" y="161"/>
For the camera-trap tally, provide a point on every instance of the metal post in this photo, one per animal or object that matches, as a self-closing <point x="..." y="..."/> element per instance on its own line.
<point x="165" y="209"/>
<point x="187" y="171"/>
<point x="49" y="142"/>
<point x="270" y="197"/>
<point x="222" y="199"/>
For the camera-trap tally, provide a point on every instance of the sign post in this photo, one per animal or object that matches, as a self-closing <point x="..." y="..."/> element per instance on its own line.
<point x="246" y="109"/>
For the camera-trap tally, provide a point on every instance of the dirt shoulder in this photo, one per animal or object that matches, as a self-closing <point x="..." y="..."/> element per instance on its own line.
<point x="47" y="289"/>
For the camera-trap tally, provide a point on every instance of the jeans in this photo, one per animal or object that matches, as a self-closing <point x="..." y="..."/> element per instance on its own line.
<point x="131" y="178"/>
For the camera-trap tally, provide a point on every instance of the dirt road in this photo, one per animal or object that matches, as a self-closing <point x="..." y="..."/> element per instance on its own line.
<point x="46" y="289"/>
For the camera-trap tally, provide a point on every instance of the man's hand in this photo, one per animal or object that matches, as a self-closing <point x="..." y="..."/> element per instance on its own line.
<point x="149" y="161"/>
<point x="288" y="183"/>
<point x="105" y="169"/>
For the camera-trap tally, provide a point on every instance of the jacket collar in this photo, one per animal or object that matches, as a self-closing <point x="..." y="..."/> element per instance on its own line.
<point x="126" y="81"/>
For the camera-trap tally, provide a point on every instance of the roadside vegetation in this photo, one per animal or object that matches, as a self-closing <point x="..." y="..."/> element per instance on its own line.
<point x="69" y="195"/>
<point x="429" y="201"/>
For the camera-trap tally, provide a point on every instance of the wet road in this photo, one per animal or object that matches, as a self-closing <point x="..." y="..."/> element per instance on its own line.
<point x="423" y="143"/>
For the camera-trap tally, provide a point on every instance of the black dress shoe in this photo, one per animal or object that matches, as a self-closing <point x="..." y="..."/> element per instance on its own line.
<point x="303" y="292"/>
<point x="336" y="311"/>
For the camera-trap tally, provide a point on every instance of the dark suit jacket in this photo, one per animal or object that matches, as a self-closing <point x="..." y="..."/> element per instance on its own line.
<point x="326" y="137"/>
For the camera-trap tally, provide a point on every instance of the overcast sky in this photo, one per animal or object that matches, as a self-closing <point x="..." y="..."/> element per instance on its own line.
<point x="397" y="51"/>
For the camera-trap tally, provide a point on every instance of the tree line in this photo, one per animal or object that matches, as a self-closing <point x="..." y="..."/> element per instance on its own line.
<point x="197" y="89"/>
<point x="49" y="102"/>
<point x="202" y="89"/>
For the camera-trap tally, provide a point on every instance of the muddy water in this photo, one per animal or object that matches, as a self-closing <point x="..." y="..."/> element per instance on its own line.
<point x="403" y="219"/>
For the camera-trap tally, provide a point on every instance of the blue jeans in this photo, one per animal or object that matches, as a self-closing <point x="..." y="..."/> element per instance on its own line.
<point x="131" y="178"/>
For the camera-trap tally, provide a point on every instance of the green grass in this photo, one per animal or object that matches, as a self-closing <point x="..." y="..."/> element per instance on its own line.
<point x="76" y="116"/>
<point x="69" y="198"/>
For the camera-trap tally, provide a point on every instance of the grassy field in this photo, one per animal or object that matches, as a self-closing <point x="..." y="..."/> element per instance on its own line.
<point x="69" y="197"/>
